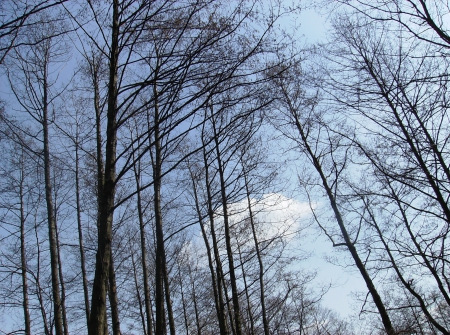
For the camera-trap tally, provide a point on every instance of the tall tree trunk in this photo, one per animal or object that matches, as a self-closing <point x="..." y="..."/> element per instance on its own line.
<point x="219" y="271"/>
<point x="194" y="298"/>
<point x="340" y="221"/>
<point x="161" y="280"/>
<point x="148" y="310"/>
<point x="247" y="296"/>
<point x="80" y="233"/>
<point x="23" y="259"/>
<point x="39" y="292"/>
<point x="258" y="255"/>
<point x="63" y="286"/>
<point x="234" y="290"/>
<point x="229" y="309"/>
<point x="218" y="300"/>
<point x="113" y="300"/>
<point x="168" y="299"/>
<point x="57" y="308"/>
<point x="97" y="321"/>
<point x="183" y="301"/>
<point x="138" y="294"/>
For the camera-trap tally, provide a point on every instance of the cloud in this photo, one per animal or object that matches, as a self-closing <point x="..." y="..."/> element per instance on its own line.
<point x="274" y="215"/>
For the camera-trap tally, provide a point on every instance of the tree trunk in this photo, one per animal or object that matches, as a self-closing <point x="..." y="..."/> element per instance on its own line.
<point x="258" y="255"/>
<point x="63" y="286"/>
<point x="247" y="296"/>
<point x="148" y="310"/>
<point x="161" y="280"/>
<point x="57" y="308"/>
<point x="235" y="295"/>
<point x="113" y="300"/>
<point x="97" y="320"/>
<point x="218" y="300"/>
<point x="183" y="301"/>
<point x="194" y="297"/>
<point x="219" y="271"/>
<point x="39" y="292"/>
<point x="138" y="294"/>
<point x="80" y="234"/>
<point x="349" y="244"/>
<point x="23" y="259"/>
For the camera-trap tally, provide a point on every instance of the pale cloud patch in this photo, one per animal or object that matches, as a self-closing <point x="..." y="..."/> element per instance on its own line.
<point x="275" y="215"/>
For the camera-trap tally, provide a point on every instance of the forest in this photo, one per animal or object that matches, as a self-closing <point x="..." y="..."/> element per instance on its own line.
<point x="165" y="162"/>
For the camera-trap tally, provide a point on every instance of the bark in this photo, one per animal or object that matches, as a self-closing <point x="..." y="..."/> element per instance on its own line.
<point x="97" y="321"/>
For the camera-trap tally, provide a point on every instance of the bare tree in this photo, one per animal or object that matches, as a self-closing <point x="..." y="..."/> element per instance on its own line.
<point x="36" y="97"/>
<point x="329" y="161"/>
<point x="15" y="176"/>
<point x="393" y="87"/>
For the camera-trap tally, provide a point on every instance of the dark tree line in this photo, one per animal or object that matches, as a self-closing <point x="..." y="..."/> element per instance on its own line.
<point x="145" y="147"/>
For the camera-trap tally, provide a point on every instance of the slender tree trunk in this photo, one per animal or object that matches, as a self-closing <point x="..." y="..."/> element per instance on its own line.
<point x="219" y="271"/>
<point x="218" y="301"/>
<point x="38" y="284"/>
<point x="148" y="310"/>
<point x="358" y="262"/>
<point x="168" y="299"/>
<point x="97" y="320"/>
<point x="247" y="296"/>
<point x="23" y="259"/>
<point x="113" y="300"/>
<point x="80" y="234"/>
<point x="161" y="280"/>
<point x="194" y="298"/>
<point x="183" y="301"/>
<point x="63" y="286"/>
<point x="138" y="295"/>
<point x="258" y="255"/>
<point x="57" y="308"/>
<point x="234" y="291"/>
<point x="229" y="309"/>
<point x="349" y="244"/>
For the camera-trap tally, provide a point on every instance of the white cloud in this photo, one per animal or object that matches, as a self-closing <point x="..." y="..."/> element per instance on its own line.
<point x="274" y="214"/>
